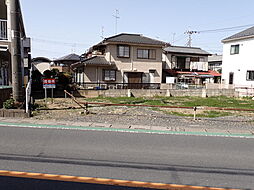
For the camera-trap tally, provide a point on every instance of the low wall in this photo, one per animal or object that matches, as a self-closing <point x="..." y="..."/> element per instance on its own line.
<point x="5" y="94"/>
<point x="13" y="113"/>
<point x="157" y="92"/>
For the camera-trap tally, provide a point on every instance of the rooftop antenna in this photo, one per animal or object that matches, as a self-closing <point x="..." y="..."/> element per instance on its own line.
<point x="173" y="39"/>
<point x="102" y="32"/>
<point x="116" y="16"/>
<point x="190" y="33"/>
<point x="73" y="49"/>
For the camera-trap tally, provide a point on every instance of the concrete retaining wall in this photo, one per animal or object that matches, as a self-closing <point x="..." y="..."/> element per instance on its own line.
<point x="156" y="92"/>
<point x="13" y="113"/>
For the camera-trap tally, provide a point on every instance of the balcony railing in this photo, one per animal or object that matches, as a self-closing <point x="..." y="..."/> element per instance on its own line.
<point x="3" y="30"/>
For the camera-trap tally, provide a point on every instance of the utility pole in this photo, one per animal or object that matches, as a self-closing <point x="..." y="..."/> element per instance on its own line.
<point x="116" y="16"/>
<point x="190" y="33"/>
<point x="16" y="52"/>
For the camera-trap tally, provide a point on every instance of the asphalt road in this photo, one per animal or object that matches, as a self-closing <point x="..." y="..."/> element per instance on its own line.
<point x="178" y="159"/>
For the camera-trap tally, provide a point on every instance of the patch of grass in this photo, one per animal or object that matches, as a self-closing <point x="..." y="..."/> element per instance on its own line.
<point x="221" y="101"/>
<point x="208" y="114"/>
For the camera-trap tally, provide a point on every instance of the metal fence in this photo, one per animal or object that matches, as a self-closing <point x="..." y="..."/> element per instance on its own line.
<point x="3" y="30"/>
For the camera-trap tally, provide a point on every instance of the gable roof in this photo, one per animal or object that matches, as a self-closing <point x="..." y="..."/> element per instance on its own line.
<point x="244" y="34"/>
<point x="41" y="59"/>
<point x="135" y="39"/>
<point x="70" y="57"/>
<point x="185" y="50"/>
<point x="96" y="60"/>
<point x="215" y="58"/>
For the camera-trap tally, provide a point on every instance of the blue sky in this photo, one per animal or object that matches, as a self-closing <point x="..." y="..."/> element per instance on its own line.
<point x="60" y="27"/>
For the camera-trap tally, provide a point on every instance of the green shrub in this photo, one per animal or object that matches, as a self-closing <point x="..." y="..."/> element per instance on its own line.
<point x="9" y="104"/>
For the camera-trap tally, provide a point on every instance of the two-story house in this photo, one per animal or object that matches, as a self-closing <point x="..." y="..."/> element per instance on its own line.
<point x="63" y="64"/>
<point x="122" y="61"/>
<point x="6" y="44"/>
<point x="238" y="59"/>
<point x="187" y="65"/>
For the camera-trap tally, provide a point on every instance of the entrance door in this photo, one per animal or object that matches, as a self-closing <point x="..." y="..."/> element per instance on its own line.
<point x="134" y="80"/>
<point x="231" y="78"/>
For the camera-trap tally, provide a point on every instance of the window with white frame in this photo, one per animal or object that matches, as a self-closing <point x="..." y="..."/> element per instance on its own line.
<point x="123" y="51"/>
<point x="109" y="75"/>
<point x="250" y="75"/>
<point x="234" y="49"/>
<point x="146" y="54"/>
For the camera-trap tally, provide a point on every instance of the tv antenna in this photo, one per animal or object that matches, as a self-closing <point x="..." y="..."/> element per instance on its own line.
<point x="102" y="32"/>
<point x="116" y="16"/>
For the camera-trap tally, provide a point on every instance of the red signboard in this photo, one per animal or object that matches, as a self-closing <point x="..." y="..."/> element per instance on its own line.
<point x="49" y="83"/>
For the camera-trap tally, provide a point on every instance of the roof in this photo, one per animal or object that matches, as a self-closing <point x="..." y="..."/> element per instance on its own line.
<point x="40" y="59"/>
<point x="96" y="60"/>
<point x="134" y="38"/>
<point x="70" y="57"/>
<point x="215" y="58"/>
<point x="186" y="50"/>
<point x="244" y="34"/>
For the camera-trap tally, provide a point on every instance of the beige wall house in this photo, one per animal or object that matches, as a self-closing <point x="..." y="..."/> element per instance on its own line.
<point x="122" y="61"/>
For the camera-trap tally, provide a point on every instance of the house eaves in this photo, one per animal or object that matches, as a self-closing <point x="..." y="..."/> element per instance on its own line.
<point x="185" y="50"/>
<point x="92" y="61"/>
<point x="245" y="34"/>
<point x="134" y="39"/>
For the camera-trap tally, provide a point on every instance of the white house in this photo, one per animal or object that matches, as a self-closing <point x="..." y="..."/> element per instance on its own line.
<point x="238" y="59"/>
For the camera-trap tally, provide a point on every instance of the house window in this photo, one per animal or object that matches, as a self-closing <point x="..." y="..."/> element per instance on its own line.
<point x="123" y="51"/>
<point x="152" y="54"/>
<point x="234" y="49"/>
<point x="109" y="75"/>
<point x="250" y="75"/>
<point x="146" y="54"/>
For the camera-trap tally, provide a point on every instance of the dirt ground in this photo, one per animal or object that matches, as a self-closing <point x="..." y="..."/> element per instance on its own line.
<point x="67" y="110"/>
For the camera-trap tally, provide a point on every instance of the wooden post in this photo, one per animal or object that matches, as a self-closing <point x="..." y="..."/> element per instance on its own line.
<point x="195" y="110"/>
<point x="74" y="99"/>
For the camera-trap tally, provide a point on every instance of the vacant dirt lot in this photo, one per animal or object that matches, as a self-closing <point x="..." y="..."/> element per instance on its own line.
<point x="67" y="110"/>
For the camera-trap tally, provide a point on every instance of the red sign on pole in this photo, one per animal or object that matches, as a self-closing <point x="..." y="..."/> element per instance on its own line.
<point x="49" y="83"/>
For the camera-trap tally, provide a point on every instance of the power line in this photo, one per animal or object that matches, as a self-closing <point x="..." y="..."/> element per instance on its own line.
<point x="58" y="42"/>
<point x="226" y="29"/>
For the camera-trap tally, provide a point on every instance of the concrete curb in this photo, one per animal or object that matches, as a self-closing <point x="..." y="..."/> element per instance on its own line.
<point x="103" y="181"/>
<point x="139" y="130"/>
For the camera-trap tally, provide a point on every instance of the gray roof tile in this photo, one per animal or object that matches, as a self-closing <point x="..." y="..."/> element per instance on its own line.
<point x="186" y="50"/>
<point x="70" y="57"/>
<point x="215" y="58"/>
<point x="246" y="33"/>
<point x="96" y="60"/>
<point x="134" y="38"/>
